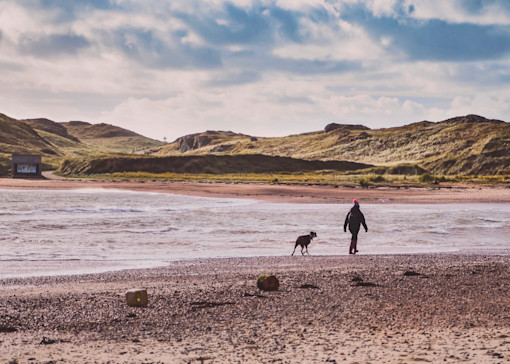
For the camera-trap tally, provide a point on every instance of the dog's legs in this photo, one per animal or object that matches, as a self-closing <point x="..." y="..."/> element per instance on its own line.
<point x="307" y="250"/>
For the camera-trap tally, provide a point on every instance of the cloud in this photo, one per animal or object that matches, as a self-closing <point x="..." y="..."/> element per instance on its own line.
<point x="486" y="12"/>
<point x="66" y="11"/>
<point x="157" y="51"/>
<point x="264" y="67"/>
<point x="230" y="25"/>
<point x="434" y="40"/>
<point x="52" y="45"/>
<point x="233" y="78"/>
<point x="480" y="7"/>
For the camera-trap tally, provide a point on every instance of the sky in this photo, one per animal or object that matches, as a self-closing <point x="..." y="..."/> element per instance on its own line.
<point x="165" y="69"/>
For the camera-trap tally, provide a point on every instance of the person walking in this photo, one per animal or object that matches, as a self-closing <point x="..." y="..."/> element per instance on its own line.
<point x="354" y="219"/>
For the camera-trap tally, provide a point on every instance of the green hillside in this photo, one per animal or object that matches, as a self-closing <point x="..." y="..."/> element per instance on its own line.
<point x="18" y="137"/>
<point x="106" y="138"/>
<point x="58" y="141"/>
<point x="205" y="164"/>
<point x="469" y="145"/>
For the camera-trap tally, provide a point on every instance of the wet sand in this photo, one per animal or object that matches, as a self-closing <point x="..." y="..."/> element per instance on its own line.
<point x="279" y="193"/>
<point x="353" y="309"/>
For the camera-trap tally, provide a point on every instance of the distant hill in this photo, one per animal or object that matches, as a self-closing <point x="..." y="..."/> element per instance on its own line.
<point x="465" y="145"/>
<point x="108" y="138"/>
<point x="468" y="145"/>
<point x="18" y="137"/>
<point x="57" y="141"/>
<point x="49" y="126"/>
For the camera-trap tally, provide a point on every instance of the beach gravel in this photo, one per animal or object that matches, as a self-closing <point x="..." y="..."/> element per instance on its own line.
<point x="364" y="309"/>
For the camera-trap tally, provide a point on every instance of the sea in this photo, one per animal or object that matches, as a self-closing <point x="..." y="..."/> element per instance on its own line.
<point x="47" y="232"/>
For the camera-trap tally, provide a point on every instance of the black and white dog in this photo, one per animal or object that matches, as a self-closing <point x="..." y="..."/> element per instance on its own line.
<point x="304" y="240"/>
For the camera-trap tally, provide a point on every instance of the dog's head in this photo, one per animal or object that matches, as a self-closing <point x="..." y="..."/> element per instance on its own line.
<point x="313" y="234"/>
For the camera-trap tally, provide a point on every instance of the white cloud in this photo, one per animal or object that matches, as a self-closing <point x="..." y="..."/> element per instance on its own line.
<point x="344" y="41"/>
<point x="455" y="11"/>
<point x="311" y="70"/>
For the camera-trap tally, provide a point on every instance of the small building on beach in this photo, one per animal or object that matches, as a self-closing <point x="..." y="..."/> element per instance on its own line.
<point x="23" y="166"/>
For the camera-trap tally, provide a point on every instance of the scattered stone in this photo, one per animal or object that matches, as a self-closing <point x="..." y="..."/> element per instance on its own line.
<point x="364" y="284"/>
<point x="267" y="282"/>
<point x="206" y="304"/>
<point x="137" y="298"/>
<point x="356" y="278"/>
<point x="47" y="341"/>
<point x="6" y="329"/>
<point x="309" y="286"/>
<point x="411" y="273"/>
<point x="246" y="294"/>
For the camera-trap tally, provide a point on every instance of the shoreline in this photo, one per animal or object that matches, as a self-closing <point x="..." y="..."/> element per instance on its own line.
<point x="101" y="267"/>
<point x="277" y="193"/>
<point x="454" y="307"/>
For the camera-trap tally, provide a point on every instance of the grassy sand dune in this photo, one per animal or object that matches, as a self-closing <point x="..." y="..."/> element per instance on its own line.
<point x="463" y="145"/>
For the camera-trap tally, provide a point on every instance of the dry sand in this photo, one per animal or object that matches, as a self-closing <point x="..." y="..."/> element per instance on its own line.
<point x="353" y="309"/>
<point x="278" y="193"/>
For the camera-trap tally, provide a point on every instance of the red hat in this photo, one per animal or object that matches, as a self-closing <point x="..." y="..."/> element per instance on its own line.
<point x="355" y="201"/>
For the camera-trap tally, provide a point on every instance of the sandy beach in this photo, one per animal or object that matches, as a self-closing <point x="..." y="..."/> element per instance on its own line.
<point x="277" y="192"/>
<point x="353" y="309"/>
<point x="329" y="309"/>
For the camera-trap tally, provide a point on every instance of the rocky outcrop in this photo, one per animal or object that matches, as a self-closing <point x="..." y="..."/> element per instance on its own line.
<point x="192" y="142"/>
<point x="335" y="126"/>
<point x="471" y="119"/>
<point x="222" y="148"/>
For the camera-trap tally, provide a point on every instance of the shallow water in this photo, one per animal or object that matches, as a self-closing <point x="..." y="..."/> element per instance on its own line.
<point x="94" y="230"/>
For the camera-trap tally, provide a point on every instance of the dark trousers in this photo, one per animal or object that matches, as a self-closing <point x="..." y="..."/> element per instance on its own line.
<point x="354" y="241"/>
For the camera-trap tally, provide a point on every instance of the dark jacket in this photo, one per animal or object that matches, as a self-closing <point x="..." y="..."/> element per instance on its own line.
<point x="354" y="219"/>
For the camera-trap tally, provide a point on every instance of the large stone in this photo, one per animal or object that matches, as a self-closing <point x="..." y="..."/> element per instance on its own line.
<point x="268" y="282"/>
<point x="137" y="297"/>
